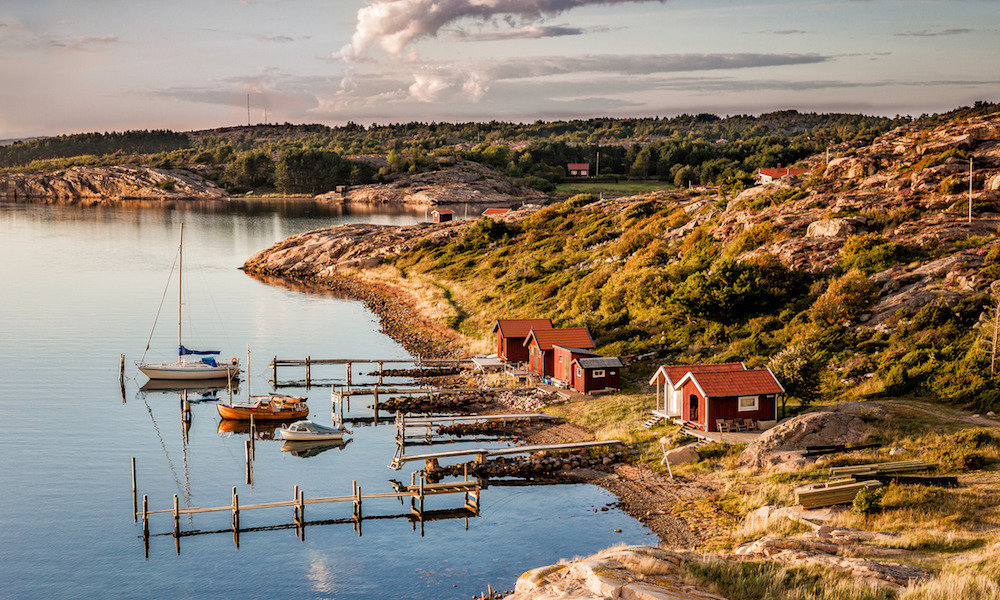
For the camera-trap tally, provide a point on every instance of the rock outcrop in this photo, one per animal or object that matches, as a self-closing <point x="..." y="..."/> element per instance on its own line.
<point x="107" y="185"/>
<point x="782" y="446"/>
<point x="623" y="572"/>
<point x="465" y="183"/>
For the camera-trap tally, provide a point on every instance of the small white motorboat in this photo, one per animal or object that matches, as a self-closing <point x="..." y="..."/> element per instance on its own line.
<point x="307" y="430"/>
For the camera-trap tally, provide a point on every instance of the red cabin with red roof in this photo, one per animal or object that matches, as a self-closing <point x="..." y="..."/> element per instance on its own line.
<point x="728" y="395"/>
<point x="541" y="342"/>
<point x="511" y="334"/>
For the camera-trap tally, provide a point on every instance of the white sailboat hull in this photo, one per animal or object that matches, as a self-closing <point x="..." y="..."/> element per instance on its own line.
<point x="188" y="370"/>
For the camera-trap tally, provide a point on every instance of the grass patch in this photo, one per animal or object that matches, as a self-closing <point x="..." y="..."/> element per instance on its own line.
<point x="772" y="581"/>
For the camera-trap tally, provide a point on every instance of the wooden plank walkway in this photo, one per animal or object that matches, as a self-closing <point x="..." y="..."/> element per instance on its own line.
<point x="482" y="453"/>
<point x="308" y="362"/>
<point x="417" y="491"/>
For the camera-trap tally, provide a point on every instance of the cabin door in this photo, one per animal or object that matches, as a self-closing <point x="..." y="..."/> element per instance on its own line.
<point x="693" y="406"/>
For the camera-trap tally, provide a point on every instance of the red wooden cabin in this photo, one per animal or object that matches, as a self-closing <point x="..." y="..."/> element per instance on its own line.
<point x="540" y="342"/>
<point x="729" y="395"/>
<point x="595" y="373"/>
<point x="511" y="334"/>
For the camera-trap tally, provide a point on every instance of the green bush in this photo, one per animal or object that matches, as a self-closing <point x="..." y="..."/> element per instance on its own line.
<point x="867" y="502"/>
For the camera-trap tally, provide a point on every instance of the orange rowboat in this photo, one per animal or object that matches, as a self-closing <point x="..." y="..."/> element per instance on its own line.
<point x="274" y="407"/>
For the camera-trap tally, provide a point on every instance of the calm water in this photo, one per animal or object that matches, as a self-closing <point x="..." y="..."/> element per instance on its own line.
<point x="80" y="288"/>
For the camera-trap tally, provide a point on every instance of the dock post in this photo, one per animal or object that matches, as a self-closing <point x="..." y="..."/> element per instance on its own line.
<point x="236" y="518"/>
<point x="135" y="496"/>
<point x="295" y="507"/>
<point x="177" y="524"/>
<point x="145" y="516"/>
<point x="253" y="435"/>
<point x="379" y="370"/>
<point x="249" y="463"/>
<point x="308" y="371"/>
<point x="121" y="370"/>
<point x="348" y="374"/>
<point x="274" y="370"/>
<point x="302" y="514"/>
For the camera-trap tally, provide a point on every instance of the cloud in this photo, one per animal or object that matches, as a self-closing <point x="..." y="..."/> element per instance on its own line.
<point x="392" y="24"/>
<point x="529" y="32"/>
<point x="83" y="43"/>
<point x="925" y="33"/>
<point x="788" y="32"/>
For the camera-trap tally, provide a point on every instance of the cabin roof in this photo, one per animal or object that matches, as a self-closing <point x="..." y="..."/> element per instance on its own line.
<point x="716" y="384"/>
<point x="519" y="328"/>
<point x="674" y="373"/>
<point x="572" y="337"/>
<point x="582" y="351"/>
<point x="599" y="362"/>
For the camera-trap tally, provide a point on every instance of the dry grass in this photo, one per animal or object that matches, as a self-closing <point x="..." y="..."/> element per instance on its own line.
<point x="976" y="577"/>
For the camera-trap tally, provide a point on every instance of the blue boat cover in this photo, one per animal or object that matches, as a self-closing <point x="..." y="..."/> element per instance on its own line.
<point x="210" y="361"/>
<point x="182" y="351"/>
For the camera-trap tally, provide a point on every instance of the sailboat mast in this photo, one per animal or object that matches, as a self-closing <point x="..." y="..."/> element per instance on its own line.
<point x="180" y="288"/>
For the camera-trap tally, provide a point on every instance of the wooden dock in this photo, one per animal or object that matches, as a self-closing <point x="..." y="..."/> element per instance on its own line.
<point x="308" y="362"/>
<point x="417" y="430"/>
<point x="416" y="492"/>
<point x="482" y="454"/>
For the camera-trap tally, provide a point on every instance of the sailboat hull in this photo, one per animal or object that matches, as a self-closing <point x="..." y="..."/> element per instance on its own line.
<point x="269" y="408"/>
<point x="188" y="370"/>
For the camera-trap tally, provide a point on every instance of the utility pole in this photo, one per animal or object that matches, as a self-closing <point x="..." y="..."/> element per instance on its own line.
<point x="248" y="110"/>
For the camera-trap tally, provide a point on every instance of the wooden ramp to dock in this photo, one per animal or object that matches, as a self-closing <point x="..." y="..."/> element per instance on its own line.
<point x="416" y="491"/>
<point x="482" y="454"/>
<point x="423" y="431"/>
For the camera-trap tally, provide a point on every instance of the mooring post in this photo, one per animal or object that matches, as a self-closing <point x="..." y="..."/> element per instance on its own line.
<point x="308" y="371"/>
<point x="177" y="517"/>
<point x="253" y="435"/>
<point x="295" y="507"/>
<point x="348" y="374"/>
<point x="274" y="369"/>
<point x="379" y="370"/>
<point x="121" y="370"/>
<point x="302" y="514"/>
<point x="249" y="463"/>
<point x="236" y="518"/>
<point x="135" y="495"/>
<point x="145" y="516"/>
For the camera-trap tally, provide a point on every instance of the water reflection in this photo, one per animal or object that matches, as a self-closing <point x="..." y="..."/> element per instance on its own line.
<point x="198" y="390"/>
<point x="312" y="448"/>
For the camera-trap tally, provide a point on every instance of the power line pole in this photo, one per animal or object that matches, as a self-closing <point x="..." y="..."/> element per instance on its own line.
<point x="970" y="189"/>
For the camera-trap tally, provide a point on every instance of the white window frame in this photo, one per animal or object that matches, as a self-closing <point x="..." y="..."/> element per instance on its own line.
<point x="741" y="408"/>
<point x="598" y="374"/>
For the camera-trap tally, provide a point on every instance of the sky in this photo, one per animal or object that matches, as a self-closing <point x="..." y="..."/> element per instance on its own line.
<point x="71" y="66"/>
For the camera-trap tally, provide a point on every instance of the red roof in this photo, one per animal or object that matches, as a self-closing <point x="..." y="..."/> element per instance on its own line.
<point x="572" y="337"/>
<point x="782" y="172"/>
<point x="444" y="211"/>
<point x="721" y="384"/>
<point x="578" y="166"/>
<point x="675" y="373"/>
<point x="519" y="328"/>
<point x="495" y="211"/>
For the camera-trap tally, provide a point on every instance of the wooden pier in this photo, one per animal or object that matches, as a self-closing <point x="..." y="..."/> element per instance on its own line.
<point x="422" y="430"/>
<point x="416" y="491"/>
<point x="482" y="454"/>
<point x="308" y="362"/>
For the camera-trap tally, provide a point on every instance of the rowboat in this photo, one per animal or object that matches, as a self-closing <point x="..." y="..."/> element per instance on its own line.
<point x="272" y="407"/>
<point x="307" y="430"/>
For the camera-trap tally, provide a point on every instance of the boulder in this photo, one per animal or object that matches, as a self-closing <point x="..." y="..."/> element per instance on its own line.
<point x="683" y="454"/>
<point x="837" y="228"/>
<point x="786" y="441"/>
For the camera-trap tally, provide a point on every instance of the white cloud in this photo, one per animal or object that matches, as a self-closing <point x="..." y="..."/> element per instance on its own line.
<point x="392" y="24"/>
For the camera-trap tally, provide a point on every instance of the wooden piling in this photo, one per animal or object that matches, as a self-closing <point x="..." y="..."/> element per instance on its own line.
<point x="135" y="496"/>
<point x="177" y="517"/>
<point x="236" y="518"/>
<point x="308" y="371"/>
<point x="274" y="370"/>
<point x="121" y="370"/>
<point x="249" y="473"/>
<point x="379" y="371"/>
<point x="348" y="374"/>
<point x="253" y="436"/>
<point x="145" y="516"/>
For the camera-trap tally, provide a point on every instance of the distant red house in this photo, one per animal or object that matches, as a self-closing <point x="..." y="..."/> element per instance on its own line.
<point x="563" y="357"/>
<point x="767" y="175"/>
<point x="540" y="343"/>
<point x="596" y="373"/>
<point x="511" y="334"/>
<point x="668" y="399"/>
<point x="578" y="169"/>
<point x="442" y="215"/>
<point x="495" y="212"/>
<point x="723" y="395"/>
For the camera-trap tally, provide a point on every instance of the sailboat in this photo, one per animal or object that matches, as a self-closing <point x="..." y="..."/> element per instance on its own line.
<point x="205" y="368"/>
<point x="267" y="407"/>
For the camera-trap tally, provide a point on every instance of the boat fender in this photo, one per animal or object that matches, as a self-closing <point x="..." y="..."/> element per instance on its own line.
<point x="233" y="361"/>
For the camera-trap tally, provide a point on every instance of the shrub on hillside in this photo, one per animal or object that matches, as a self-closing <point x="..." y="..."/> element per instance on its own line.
<point x="845" y="299"/>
